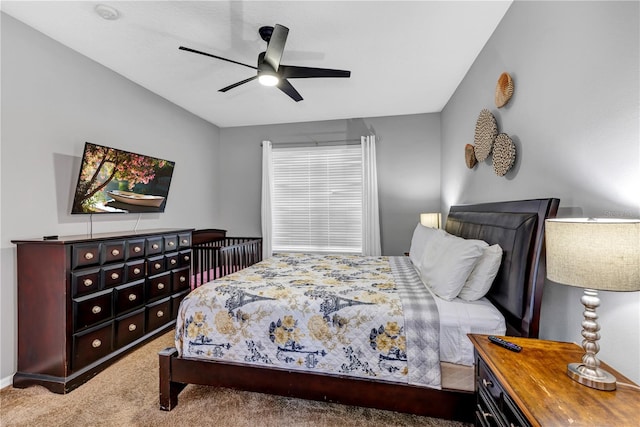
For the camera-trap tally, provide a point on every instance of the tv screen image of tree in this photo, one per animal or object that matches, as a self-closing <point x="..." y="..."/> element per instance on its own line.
<point x="117" y="181"/>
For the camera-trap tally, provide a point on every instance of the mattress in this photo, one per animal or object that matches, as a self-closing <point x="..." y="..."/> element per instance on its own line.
<point x="369" y="317"/>
<point x="459" y="318"/>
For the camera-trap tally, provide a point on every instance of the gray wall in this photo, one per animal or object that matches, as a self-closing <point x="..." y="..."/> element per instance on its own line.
<point x="574" y="119"/>
<point x="53" y="100"/>
<point x="408" y="160"/>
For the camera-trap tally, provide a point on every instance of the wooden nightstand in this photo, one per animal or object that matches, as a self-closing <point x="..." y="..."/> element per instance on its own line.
<point x="531" y="388"/>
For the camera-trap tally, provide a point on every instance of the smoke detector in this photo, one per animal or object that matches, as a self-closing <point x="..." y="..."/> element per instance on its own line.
<point x="107" y="12"/>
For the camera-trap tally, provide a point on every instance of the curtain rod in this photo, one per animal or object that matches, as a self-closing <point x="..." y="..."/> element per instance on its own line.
<point x="351" y="141"/>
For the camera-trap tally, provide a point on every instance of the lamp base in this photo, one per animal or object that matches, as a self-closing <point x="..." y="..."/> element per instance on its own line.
<point x="598" y="378"/>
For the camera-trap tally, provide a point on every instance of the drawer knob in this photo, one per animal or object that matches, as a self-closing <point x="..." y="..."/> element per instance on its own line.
<point x="160" y="285"/>
<point x="185" y="241"/>
<point x="484" y="414"/>
<point x="171" y="243"/>
<point x="173" y="261"/>
<point x="88" y="282"/>
<point x="132" y="327"/>
<point x="136" y="270"/>
<point x="96" y="343"/>
<point x="183" y="279"/>
<point x="96" y="309"/>
<point x="160" y="313"/>
<point x="487" y="383"/>
<point x="115" y="276"/>
<point x="157" y="266"/>
<point x="88" y="255"/>
<point x="133" y="297"/>
<point x="155" y="246"/>
<point x="115" y="252"/>
<point x="186" y="258"/>
<point x="137" y="249"/>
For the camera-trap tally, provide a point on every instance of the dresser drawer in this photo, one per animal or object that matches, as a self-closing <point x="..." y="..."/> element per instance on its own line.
<point x="158" y="314"/>
<point x="172" y="260"/>
<point x="513" y="416"/>
<point x="92" y="309"/>
<point x="113" y="251"/>
<point x="83" y="255"/>
<point x="494" y="405"/>
<point x="129" y="296"/>
<point x="84" y="282"/>
<point x="487" y="414"/>
<point x="171" y="242"/>
<point x="135" y="248"/>
<point x="113" y="275"/>
<point x="156" y="265"/>
<point x="129" y="328"/>
<point x="91" y="345"/>
<point x="154" y="245"/>
<point x="158" y="286"/>
<point x="180" y="279"/>
<point x="135" y="270"/>
<point x="488" y="384"/>
<point x="184" y="240"/>
<point x="185" y="258"/>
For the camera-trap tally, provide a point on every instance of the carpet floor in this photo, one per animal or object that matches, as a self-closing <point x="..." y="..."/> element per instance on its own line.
<point x="126" y="394"/>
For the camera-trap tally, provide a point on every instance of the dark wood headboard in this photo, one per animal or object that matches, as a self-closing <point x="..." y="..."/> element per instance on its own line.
<point x="518" y="227"/>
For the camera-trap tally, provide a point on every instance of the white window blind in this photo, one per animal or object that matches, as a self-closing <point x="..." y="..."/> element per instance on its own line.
<point x="317" y="199"/>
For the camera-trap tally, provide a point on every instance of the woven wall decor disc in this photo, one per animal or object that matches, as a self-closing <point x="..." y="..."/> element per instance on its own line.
<point x="470" y="156"/>
<point x="486" y="131"/>
<point x="504" y="154"/>
<point x="504" y="90"/>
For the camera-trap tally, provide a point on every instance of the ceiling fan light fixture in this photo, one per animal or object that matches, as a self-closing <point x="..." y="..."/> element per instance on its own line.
<point x="269" y="70"/>
<point x="268" y="79"/>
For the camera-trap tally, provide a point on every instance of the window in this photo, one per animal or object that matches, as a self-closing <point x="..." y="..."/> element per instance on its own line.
<point x="317" y="199"/>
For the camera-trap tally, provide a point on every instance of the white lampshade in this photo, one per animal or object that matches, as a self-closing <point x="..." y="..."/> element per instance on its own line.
<point x="430" y="219"/>
<point x="599" y="254"/>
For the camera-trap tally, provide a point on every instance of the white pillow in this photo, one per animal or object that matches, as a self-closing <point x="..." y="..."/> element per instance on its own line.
<point x="447" y="262"/>
<point x="421" y="237"/>
<point x="482" y="275"/>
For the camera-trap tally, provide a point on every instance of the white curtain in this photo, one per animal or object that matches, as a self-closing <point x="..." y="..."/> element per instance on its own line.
<point x="267" y="190"/>
<point x="370" y="215"/>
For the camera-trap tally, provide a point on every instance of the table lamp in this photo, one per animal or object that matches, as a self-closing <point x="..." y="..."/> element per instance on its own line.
<point x="430" y="219"/>
<point x="594" y="254"/>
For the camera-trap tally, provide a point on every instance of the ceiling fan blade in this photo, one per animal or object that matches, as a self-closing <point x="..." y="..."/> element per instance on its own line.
<point x="276" y="46"/>
<point x="215" y="56"/>
<point x="287" y="88"/>
<point x="293" y="72"/>
<point x="224" y="89"/>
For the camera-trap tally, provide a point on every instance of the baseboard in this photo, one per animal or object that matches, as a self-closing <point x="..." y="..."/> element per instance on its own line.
<point x="6" y="382"/>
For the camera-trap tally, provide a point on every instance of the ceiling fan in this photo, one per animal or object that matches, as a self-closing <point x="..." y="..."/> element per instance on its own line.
<point x="270" y="72"/>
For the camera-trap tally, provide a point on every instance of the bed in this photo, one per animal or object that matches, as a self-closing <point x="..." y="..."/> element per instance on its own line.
<point x="516" y="226"/>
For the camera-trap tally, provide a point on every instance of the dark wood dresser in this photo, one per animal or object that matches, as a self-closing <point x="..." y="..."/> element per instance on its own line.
<point x="532" y="388"/>
<point x="85" y="301"/>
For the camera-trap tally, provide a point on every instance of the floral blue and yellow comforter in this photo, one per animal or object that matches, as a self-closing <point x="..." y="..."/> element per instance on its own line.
<point x="359" y="316"/>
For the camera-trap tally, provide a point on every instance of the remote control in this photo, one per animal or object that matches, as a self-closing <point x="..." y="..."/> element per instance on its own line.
<point x="506" y="344"/>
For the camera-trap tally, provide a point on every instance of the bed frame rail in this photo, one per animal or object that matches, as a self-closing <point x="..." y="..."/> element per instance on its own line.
<point x="174" y="376"/>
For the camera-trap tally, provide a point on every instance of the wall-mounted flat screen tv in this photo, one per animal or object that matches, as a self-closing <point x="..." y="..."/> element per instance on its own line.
<point x="117" y="181"/>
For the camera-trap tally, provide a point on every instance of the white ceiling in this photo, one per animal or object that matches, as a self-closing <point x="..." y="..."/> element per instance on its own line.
<point x="404" y="57"/>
